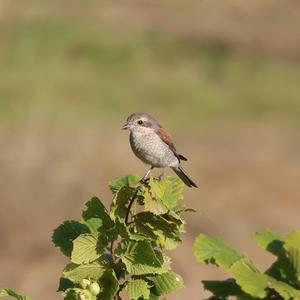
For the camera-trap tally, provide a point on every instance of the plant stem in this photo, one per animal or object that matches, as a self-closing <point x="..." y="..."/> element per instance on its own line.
<point x="133" y="198"/>
<point x="129" y="206"/>
<point x="117" y="297"/>
<point x="112" y="251"/>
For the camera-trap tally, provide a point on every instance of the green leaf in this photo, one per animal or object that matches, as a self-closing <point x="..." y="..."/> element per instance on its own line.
<point x="64" y="284"/>
<point x="8" y="292"/>
<point x="76" y="273"/>
<point x="293" y="240"/>
<point x="95" y="216"/>
<point x="286" y="291"/>
<point x="165" y="260"/>
<point x="173" y="217"/>
<point x="224" y="288"/>
<point x="120" y="270"/>
<point x="77" y="293"/>
<point x="121" y="199"/>
<point x="249" y="279"/>
<point x="130" y="180"/>
<point x="167" y="190"/>
<point x="165" y="233"/>
<point x="84" y="249"/>
<point x="140" y="257"/>
<point x="282" y="270"/>
<point x="209" y="250"/>
<point x="65" y="233"/>
<point x="137" y="288"/>
<point x="126" y="233"/>
<point x="153" y="205"/>
<point x="109" y="285"/>
<point x="269" y="240"/>
<point x="292" y="247"/>
<point x="166" y="283"/>
<point x="152" y="296"/>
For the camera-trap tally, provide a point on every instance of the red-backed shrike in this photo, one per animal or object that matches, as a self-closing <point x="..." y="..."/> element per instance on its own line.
<point x="153" y="145"/>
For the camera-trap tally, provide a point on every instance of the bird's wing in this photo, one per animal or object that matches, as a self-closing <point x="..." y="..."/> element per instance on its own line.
<point x="167" y="139"/>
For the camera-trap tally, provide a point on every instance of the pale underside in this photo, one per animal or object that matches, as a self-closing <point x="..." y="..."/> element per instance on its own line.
<point x="149" y="148"/>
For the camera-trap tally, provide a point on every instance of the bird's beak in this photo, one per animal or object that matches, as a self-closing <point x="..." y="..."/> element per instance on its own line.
<point x="125" y="126"/>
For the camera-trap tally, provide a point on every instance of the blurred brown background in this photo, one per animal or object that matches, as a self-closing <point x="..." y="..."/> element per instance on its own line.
<point x="222" y="76"/>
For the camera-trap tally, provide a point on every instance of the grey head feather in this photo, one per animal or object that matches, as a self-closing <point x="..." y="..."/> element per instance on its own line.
<point x="146" y="118"/>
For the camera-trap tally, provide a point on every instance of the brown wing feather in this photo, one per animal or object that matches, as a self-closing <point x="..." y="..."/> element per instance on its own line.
<point x="166" y="138"/>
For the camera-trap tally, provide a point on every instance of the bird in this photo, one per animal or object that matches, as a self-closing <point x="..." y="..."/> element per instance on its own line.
<point x="153" y="145"/>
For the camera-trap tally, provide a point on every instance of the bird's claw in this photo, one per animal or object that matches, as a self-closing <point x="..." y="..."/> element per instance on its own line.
<point x="144" y="180"/>
<point x="160" y="177"/>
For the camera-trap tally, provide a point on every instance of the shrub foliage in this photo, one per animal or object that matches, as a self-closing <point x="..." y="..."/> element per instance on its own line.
<point x="281" y="281"/>
<point x="121" y="250"/>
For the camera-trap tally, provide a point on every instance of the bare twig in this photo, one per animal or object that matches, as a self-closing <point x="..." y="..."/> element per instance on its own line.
<point x="130" y="205"/>
<point x="133" y="198"/>
<point x="117" y="297"/>
<point x="112" y="251"/>
<point x="127" y="222"/>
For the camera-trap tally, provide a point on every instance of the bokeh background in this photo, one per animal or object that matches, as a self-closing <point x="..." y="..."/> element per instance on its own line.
<point x="222" y="76"/>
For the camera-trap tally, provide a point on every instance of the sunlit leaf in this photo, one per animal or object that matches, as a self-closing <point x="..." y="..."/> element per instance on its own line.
<point x="65" y="233"/>
<point x="137" y="288"/>
<point x="283" y="289"/>
<point x="166" y="283"/>
<point x="269" y="240"/>
<point x="152" y="204"/>
<point x="292" y="247"/>
<point x="9" y="292"/>
<point x="209" y="250"/>
<point x="168" y="190"/>
<point x="120" y="202"/>
<point x="76" y="272"/>
<point x="249" y="279"/>
<point x="130" y="181"/>
<point x="84" y="249"/>
<point x="140" y="257"/>
<point x="167" y="233"/>
<point x="95" y="216"/>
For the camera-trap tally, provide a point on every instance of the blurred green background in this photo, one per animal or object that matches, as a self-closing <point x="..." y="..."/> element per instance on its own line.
<point x="66" y="63"/>
<point x="222" y="76"/>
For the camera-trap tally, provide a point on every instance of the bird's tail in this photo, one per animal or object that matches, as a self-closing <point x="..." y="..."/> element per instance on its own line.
<point x="184" y="177"/>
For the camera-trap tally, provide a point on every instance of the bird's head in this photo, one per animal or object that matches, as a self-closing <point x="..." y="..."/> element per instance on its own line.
<point x="140" y="121"/>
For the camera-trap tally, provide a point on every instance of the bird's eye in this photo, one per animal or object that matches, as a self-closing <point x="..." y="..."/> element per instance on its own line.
<point x="140" y="122"/>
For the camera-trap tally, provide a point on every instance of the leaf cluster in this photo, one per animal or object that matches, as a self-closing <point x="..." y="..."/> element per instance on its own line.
<point x="121" y="250"/>
<point x="281" y="281"/>
<point x="10" y="293"/>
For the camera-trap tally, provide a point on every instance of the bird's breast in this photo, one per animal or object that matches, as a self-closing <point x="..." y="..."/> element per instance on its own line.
<point x="148" y="147"/>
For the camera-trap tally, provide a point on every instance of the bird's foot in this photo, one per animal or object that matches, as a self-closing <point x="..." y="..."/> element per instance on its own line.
<point x="160" y="177"/>
<point x="144" y="180"/>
